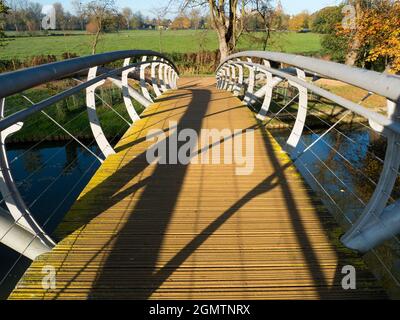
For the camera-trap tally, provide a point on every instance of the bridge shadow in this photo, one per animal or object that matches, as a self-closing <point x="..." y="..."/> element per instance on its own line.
<point x="140" y="238"/>
<point x="132" y="268"/>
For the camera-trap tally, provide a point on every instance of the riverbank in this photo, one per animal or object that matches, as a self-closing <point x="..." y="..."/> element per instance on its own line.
<point x="71" y="113"/>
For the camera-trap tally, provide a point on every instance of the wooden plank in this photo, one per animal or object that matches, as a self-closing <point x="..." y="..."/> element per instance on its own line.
<point x="196" y="231"/>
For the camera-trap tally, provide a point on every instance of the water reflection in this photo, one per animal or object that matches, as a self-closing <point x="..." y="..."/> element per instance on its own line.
<point x="50" y="178"/>
<point x="343" y="168"/>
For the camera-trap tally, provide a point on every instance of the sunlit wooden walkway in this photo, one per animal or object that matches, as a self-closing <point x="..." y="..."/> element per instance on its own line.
<point x="195" y="231"/>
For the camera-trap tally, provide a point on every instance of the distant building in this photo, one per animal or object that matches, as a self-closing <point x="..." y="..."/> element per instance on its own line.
<point x="304" y="30"/>
<point x="148" y="26"/>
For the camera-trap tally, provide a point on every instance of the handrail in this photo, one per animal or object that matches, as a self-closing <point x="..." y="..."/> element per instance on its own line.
<point x="385" y="85"/>
<point x="25" y="113"/>
<point x="17" y="233"/>
<point x="20" y="80"/>
<point x="378" y="221"/>
<point x="356" y="108"/>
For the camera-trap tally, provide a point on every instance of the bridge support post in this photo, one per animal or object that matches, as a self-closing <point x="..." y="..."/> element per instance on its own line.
<point x="174" y="79"/>
<point x="227" y="78"/>
<point x="142" y="81"/>
<point x="239" y="84"/>
<point x="154" y="78"/>
<point x="230" y="78"/>
<point x="98" y="133"/>
<point x="378" y="223"/>
<point x="125" y="92"/>
<point x="268" y="93"/>
<point x="298" y="127"/>
<point x="16" y="237"/>
<point x="233" y="84"/>
<point x="20" y="222"/>
<point x="251" y="82"/>
<point x="166" y="77"/>
<point x="161" y="76"/>
<point x="221" y="79"/>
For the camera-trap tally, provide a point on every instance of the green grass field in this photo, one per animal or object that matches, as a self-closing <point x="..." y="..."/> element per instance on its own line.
<point x="172" y="41"/>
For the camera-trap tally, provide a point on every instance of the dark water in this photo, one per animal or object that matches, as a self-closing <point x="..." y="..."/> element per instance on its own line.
<point x="336" y="167"/>
<point x="342" y="168"/>
<point x="50" y="178"/>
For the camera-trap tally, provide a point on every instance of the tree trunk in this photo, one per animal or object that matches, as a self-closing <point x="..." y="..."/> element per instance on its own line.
<point x="95" y="41"/>
<point x="355" y="43"/>
<point x="352" y="55"/>
<point x="223" y="47"/>
<point x="226" y="26"/>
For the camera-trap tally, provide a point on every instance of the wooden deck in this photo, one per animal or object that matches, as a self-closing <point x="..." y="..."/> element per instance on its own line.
<point x="195" y="231"/>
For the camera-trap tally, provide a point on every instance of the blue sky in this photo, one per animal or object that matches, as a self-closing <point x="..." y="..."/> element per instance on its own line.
<point x="146" y="6"/>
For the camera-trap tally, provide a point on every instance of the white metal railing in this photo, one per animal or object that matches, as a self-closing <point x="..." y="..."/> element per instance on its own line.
<point x="18" y="228"/>
<point x="378" y="221"/>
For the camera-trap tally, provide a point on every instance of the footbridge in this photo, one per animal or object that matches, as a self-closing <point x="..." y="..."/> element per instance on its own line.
<point x="199" y="198"/>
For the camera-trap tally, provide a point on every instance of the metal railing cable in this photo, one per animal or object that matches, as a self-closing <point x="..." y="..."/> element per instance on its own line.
<point x="298" y="158"/>
<point x="107" y="104"/>
<point x="21" y="115"/>
<point x="359" y="123"/>
<point x="374" y="116"/>
<point x="275" y="115"/>
<point x="329" y="169"/>
<point x="353" y="141"/>
<point x="25" y="80"/>
<point x="10" y="270"/>
<point x="375" y="253"/>
<point x="321" y="139"/>
<point x="346" y="113"/>
<point x="375" y="213"/>
<point x="53" y="212"/>
<point x="66" y="131"/>
<point x="86" y="148"/>
<point x="48" y="159"/>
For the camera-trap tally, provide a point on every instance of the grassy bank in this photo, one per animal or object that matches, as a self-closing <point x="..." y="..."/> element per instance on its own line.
<point x="71" y="113"/>
<point x="180" y="41"/>
<point x="193" y="51"/>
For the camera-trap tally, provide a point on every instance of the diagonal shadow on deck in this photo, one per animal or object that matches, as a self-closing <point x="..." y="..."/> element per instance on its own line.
<point x="131" y="255"/>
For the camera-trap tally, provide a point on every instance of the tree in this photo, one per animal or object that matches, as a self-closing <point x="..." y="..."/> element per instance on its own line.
<point x="99" y="14"/>
<point x="13" y="13"/>
<point x="324" y="21"/>
<point x="267" y="14"/>
<point x="3" y="11"/>
<point x="127" y="14"/>
<point x="79" y="11"/>
<point x="281" y="20"/>
<point x="374" y="39"/>
<point x="181" y="22"/>
<point x="160" y="13"/>
<point x="195" y="18"/>
<point x="379" y="31"/>
<point x="355" y="40"/>
<point x="137" y="20"/>
<point x="33" y="16"/>
<point x="60" y="16"/>
<point x="299" y="21"/>
<point x="227" y="17"/>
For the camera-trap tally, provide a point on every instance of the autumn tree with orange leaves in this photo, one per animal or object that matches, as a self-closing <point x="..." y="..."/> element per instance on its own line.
<point x="380" y="29"/>
<point x="377" y="34"/>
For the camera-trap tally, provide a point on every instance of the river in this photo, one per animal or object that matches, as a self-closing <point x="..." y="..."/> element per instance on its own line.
<point x="50" y="177"/>
<point x="340" y="168"/>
